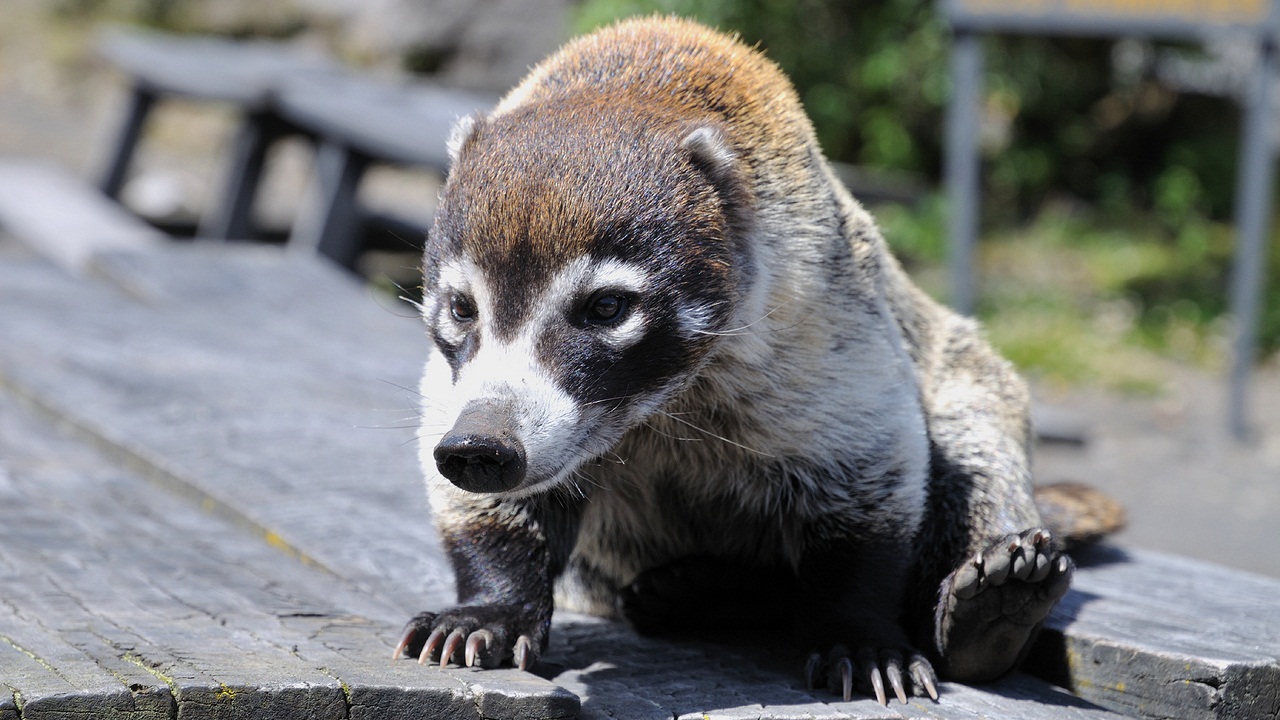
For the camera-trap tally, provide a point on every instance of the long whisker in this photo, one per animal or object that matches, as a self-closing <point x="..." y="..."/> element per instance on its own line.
<point x="665" y="434"/>
<point x="741" y="330"/>
<point x="406" y="388"/>
<point x="704" y="431"/>
<point x="618" y="398"/>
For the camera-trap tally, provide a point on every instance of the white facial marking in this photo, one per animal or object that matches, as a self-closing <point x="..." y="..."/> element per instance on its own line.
<point x="629" y="279"/>
<point x="456" y="277"/>
<point x="619" y="275"/>
<point x="552" y="427"/>
<point x="695" y="319"/>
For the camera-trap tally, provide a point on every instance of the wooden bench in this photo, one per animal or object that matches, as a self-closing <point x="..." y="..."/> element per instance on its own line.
<point x="355" y="119"/>
<point x="243" y="74"/>
<point x="359" y="122"/>
<point x="214" y="510"/>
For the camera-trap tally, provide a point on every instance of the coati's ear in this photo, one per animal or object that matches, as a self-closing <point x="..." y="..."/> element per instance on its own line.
<point x="712" y="156"/>
<point x="710" y="153"/>
<point x="463" y="133"/>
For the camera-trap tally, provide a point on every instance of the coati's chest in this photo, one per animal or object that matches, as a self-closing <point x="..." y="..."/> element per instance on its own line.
<point x="764" y="511"/>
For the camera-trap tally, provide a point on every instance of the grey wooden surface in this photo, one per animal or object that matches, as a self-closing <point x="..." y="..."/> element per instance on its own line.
<point x="212" y="508"/>
<point x="65" y="219"/>
<point x="1162" y="636"/>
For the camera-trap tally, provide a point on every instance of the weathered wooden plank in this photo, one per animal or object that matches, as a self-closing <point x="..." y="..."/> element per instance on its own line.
<point x="404" y="123"/>
<point x="53" y="678"/>
<point x="619" y="674"/>
<point x="87" y="558"/>
<point x="1161" y="636"/>
<point x="120" y="600"/>
<point x="63" y="218"/>
<point x="261" y="398"/>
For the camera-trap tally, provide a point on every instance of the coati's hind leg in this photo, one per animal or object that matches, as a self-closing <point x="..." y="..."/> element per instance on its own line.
<point x="988" y="573"/>
<point x="991" y="606"/>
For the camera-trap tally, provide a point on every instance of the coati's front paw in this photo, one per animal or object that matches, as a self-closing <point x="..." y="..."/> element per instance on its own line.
<point x="485" y="636"/>
<point x="992" y="605"/>
<point x="867" y="669"/>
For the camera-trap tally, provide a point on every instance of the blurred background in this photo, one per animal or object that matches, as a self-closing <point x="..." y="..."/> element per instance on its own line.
<point x="1108" y="169"/>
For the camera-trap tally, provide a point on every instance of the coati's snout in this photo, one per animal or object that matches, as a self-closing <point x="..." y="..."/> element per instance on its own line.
<point x="482" y="452"/>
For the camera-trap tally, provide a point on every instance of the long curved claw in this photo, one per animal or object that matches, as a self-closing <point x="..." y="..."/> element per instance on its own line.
<point x="924" y="679"/>
<point x="968" y="579"/>
<point x="846" y="679"/>
<point x="877" y="684"/>
<point x="404" y="643"/>
<point x="1022" y="564"/>
<point x="523" y="652"/>
<point x="434" y="640"/>
<point x="812" y="669"/>
<point x="477" y="642"/>
<point x="451" y="645"/>
<point x="997" y="565"/>
<point x="893" y="671"/>
<point x="432" y="645"/>
<point x="1041" y="570"/>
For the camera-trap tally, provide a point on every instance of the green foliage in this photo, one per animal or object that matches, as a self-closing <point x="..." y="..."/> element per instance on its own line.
<point x="917" y="233"/>
<point x="872" y="76"/>
<point x="1079" y="299"/>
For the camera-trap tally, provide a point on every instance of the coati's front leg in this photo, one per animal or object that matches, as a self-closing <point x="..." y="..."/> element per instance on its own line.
<point x="506" y="555"/>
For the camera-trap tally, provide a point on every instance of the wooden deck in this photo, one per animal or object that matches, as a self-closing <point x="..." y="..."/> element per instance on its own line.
<point x="210" y="507"/>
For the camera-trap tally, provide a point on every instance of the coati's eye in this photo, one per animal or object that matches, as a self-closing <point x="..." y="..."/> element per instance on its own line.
<point x="461" y="308"/>
<point x="605" y="308"/>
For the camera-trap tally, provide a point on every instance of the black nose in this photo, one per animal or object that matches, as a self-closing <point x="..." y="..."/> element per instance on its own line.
<point x="481" y="453"/>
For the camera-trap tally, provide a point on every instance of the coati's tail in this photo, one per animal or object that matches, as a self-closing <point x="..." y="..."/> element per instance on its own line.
<point x="1078" y="514"/>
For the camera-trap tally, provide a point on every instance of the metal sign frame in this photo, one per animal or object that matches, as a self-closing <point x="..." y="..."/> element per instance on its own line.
<point x="1104" y="18"/>
<point x="1185" y="19"/>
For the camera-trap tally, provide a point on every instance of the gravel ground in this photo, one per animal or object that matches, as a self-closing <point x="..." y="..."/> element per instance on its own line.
<point x="1188" y="487"/>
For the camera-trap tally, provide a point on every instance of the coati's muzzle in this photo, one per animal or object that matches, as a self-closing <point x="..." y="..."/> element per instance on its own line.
<point x="482" y="453"/>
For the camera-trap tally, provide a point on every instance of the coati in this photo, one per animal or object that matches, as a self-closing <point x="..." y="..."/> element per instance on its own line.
<point x="669" y="346"/>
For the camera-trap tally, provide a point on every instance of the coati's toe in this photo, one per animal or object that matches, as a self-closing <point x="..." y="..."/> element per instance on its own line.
<point x="991" y="606"/>
<point x="471" y="636"/>
<point x="868" y="670"/>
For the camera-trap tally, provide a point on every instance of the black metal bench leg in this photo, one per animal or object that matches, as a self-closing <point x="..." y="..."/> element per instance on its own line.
<point x="140" y="102"/>
<point x="330" y="220"/>
<point x="230" y="216"/>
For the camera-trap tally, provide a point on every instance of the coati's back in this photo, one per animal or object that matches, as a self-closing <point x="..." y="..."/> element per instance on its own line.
<point x="676" y="70"/>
